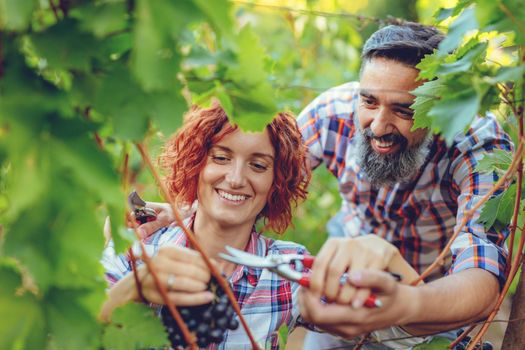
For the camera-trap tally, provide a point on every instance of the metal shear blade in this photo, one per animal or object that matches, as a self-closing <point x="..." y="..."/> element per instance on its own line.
<point x="242" y="258"/>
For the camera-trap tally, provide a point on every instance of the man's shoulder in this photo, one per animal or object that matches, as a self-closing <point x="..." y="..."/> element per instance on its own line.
<point x="338" y="101"/>
<point x="484" y="132"/>
<point x="284" y="247"/>
<point x="346" y="92"/>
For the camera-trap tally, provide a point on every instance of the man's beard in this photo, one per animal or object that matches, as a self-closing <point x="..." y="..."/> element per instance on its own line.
<point x="389" y="169"/>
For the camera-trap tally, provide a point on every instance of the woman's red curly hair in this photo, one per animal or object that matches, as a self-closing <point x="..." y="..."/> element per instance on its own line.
<point x="184" y="156"/>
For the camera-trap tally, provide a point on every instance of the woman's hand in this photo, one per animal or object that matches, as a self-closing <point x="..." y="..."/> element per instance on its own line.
<point x="340" y="255"/>
<point x="183" y="273"/>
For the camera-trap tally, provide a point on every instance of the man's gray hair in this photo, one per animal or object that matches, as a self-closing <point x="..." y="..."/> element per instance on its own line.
<point x="406" y="43"/>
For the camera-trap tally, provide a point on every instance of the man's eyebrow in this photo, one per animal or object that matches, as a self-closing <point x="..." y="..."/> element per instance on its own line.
<point x="403" y="105"/>
<point x="256" y="154"/>
<point x="367" y="94"/>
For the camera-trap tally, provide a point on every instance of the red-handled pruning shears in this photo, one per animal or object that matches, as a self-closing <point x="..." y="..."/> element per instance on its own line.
<point x="280" y="264"/>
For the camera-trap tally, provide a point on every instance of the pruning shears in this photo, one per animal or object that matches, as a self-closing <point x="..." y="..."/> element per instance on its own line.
<point x="141" y="212"/>
<point x="281" y="265"/>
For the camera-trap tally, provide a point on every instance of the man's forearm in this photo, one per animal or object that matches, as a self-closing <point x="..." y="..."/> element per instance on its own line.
<point x="453" y="301"/>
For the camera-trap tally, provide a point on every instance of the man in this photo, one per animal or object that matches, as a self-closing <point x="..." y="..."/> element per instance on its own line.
<point x="403" y="185"/>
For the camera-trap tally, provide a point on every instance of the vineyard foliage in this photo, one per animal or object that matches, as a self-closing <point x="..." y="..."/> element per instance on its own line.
<point x="80" y="81"/>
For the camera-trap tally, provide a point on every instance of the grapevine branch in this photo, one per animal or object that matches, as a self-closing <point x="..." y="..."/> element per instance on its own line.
<point x="54" y="8"/>
<point x="361" y="18"/>
<point x="191" y="238"/>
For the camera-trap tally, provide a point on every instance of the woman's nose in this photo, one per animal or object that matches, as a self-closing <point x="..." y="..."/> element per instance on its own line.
<point x="235" y="176"/>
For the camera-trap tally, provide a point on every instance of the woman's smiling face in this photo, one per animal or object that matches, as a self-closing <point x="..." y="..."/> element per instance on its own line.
<point x="234" y="184"/>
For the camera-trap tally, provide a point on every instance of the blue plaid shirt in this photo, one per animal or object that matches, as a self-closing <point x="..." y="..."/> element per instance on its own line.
<point x="420" y="216"/>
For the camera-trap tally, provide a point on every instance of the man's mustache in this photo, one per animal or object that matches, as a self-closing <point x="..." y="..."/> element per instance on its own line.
<point x="392" y="137"/>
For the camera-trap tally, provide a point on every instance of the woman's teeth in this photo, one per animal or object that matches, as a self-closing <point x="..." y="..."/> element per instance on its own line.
<point x="232" y="197"/>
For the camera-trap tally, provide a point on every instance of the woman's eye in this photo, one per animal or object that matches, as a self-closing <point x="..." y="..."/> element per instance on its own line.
<point x="259" y="166"/>
<point x="219" y="159"/>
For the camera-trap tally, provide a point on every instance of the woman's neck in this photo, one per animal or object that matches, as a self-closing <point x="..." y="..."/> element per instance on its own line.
<point x="213" y="237"/>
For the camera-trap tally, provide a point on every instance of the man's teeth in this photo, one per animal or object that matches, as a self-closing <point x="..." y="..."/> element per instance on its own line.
<point x="232" y="197"/>
<point x="384" y="144"/>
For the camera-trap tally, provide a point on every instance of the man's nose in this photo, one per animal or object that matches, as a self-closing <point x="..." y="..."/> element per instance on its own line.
<point x="235" y="176"/>
<point x="382" y="123"/>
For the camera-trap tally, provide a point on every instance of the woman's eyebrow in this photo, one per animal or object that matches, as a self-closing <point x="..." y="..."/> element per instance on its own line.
<point x="255" y="154"/>
<point x="263" y="155"/>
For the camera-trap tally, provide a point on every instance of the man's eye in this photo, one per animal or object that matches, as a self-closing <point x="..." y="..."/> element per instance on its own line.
<point x="367" y="101"/>
<point x="406" y="114"/>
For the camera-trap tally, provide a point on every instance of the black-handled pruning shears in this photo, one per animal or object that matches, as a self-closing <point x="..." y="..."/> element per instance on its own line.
<point x="141" y="212"/>
<point x="280" y="264"/>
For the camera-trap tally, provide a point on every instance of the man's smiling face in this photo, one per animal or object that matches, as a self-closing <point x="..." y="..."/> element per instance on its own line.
<point x="389" y="151"/>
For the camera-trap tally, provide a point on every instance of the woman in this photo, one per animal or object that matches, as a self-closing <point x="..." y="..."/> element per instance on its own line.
<point x="238" y="178"/>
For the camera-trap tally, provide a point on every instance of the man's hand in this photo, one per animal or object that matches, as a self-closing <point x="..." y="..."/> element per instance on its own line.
<point x="339" y="255"/>
<point x="164" y="217"/>
<point x="398" y="306"/>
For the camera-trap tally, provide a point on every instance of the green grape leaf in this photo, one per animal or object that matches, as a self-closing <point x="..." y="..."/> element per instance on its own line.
<point x="122" y="99"/>
<point x="252" y="96"/>
<point x="250" y="68"/>
<point x="465" y="62"/>
<point x="454" y="113"/>
<point x="461" y="25"/>
<point x="64" y="46"/>
<point x="426" y="97"/>
<point x="16" y="15"/>
<point x="94" y="169"/>
<point x="101" y="19"/>
<point x="429" y="66"/>
<point x="155" y="58"/>
<point x="167" y="109"/>
<point x="506" y="74"/>
<point x="283" y="335"/>
<point x="502" y="16"/>
<point x="22" y="323"/>
<point x="219" y="15"/>
<point x="436" y="343"/>
<point x="134" y="326"/>
<point x="68" y="318"/>
<point x="497" y="211"/>
<point x="499" y="161"/>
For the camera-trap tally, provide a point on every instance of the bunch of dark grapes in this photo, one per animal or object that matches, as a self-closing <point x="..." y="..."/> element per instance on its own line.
<point x="465" y="342"/>
<point x="208" y="322"/>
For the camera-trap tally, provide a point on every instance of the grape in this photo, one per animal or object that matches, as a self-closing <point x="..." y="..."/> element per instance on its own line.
<point x="487" y="346"/>
<point x="208" y="322"/>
